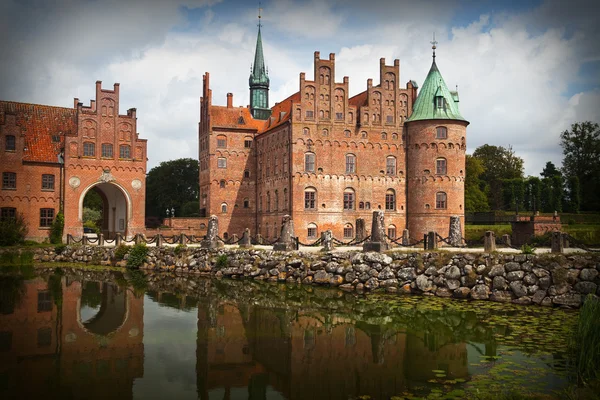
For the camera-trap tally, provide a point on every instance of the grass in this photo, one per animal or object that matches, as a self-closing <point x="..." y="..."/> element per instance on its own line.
<point x="589" y="234"/>
<point x="475" y="232"/>
<point x="585" y="342"/>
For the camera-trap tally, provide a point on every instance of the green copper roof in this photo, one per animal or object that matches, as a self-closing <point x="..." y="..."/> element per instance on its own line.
<point x="259" y="74"/>
<point x="426" y="105"/>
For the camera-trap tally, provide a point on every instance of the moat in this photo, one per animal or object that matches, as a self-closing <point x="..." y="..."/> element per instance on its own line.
<point x="85" y="333"/>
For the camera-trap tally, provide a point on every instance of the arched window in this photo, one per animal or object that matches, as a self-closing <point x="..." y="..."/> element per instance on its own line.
<point x="309" y="162"/>
<point x="322" y="79"/>
<point x="348" y="231"/>
<point x="311" y="231"/>
<point x="268" y="202"/>
<point x="10" y="143"/>
<point x="441" y="200"/>
<point x="89" y="149"/>
<point x="221" y="142"/>
<point x="247" y="142"/>
<point x="107" y="150"/>
<point x="246" y="173"/>
<point x="390" y="165"/>
<point x="349" y="199"/>
<point x="124" y="151"/>
<point x="350" y="163"/>
<point x="347" y="133"/>
<point x="276" y="200"/>
<point x="246" y="203"/>
<point x="226" y="235"/>
<point x="325" y="132"/>
<point x="391" y="232"/>
<point x="441" y="132"/>
<point x="367" y="205"/>
<point x="390" y="200"/>
<point x="224" y="208"/>
<point x="363" y="134"/>
<point x="285" y="199"/>
<point x="306" y="131"/>
<point x="440" y="166"/>
<point x="383" y="136"/>
<point x="394" y="136"/>
<point x="321" y="114"/>
<point x="310" y="198"/>
<point x="350" y="117"/>
<point x="361" y="205"/>
<point x="267" y="233"/>
<point x="222" y="183"/>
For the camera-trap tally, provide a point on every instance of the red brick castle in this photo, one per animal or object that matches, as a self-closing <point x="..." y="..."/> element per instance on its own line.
<point x="327" y="159"/>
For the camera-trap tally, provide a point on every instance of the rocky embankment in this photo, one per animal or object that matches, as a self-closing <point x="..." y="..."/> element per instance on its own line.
<point x="561" y="280"/>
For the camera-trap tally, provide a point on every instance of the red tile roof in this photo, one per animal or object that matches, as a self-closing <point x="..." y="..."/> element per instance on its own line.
<point x="281" y="112"/>
<point x="358" y="100"/>
<point x="39" y="124"/>
<point x="224" y="117"/>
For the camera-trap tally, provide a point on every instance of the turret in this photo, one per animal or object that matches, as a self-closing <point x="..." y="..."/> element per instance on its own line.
<point x="435" y="154"/>
<point x="259" y="83"/>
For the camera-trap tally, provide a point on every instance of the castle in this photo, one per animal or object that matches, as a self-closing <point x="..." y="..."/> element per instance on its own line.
<point x="327" y="159"/>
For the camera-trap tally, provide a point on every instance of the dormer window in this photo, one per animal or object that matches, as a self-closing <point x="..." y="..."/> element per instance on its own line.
<point x="439" y="102"/>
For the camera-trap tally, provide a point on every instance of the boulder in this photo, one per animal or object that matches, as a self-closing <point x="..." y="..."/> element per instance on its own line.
<point x="386" y="273"/>
<point x="530" y="279"/>
<point x="497" y="270"/>
<point x="444" y="292"/>
<point x="515" y="275"/>
<point x="380" y="258"/>
<point x="571" y="300"/>
<point x="480" y="292"/>
<point x="538" y="296"/>
<point x="322" y="277"/>
<point x="371" y="284"/>
<point x="406" y="274"/>
<point x="453" y="272"/>
<point x="585" y="287"/>
<point x="424" y="284"/>
<point x="499" y="283"/>
<point x="588" y="274"/>
<point x="518" y="289"/>
<point x="461" y="293"/>
<point x="512" y="266"/>
<point x="452" y="284"/>
<point x="502" y="296"/>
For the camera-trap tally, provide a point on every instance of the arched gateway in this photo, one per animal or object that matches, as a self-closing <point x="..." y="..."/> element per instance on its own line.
<point x="116" y="207"/>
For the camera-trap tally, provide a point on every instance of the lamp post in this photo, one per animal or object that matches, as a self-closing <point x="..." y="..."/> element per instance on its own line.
<point x="169" y="218"/>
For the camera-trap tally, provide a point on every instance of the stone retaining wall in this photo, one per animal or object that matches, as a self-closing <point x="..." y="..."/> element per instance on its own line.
<point x="561" y="280"/>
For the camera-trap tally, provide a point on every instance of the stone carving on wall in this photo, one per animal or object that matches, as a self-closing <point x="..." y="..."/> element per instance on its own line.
<point x="74" y="182"/>
<point x="136" y="184"/>
<point x="106" y="176"/>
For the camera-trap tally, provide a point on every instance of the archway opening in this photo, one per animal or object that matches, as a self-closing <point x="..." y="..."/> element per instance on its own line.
<point x="104" y="209"/>
<point x="103" y="307"/>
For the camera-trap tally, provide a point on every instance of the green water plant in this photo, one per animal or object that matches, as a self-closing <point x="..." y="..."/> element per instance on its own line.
<point x="180" y="248"/>
<point x="527" y="249"/>
<point x="137" y="255"/>
<point x="120" y="252"/>
<point x="222" y="261"/>
<point x="585" y="343"/>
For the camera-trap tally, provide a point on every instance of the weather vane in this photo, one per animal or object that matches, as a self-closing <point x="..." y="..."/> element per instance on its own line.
<point x="259" y="14"/>
<point x="434" y="42"/>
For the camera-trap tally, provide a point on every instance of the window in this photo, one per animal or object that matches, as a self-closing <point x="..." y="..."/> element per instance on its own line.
<point x="391" y="232"/>
<point x="350" y="163"/>
<point x="321" y="114"/>
<point x="248" y="143"/>
<point x="46" y="217"/>
<point x="89" y="149"/>
<point x="222" y="183"/>
<point x="349" y="199"/>
<point x="383" y="136"/>
<point x="224" y="208"/>
<point x="11" y="144"/>
<point x="367" y="205"/>
<point x="9" y="180"/>
<point x="276" y="200"/>
<point x="221" y="142"/>
<point x="285" y="165"/>
<point x="309" y="162"/>
<point x="310" y="114"/>
<point x="221" y="162"/>
<point x="44" y="301"/>
<point x="325" y="132"/>
<point x="339" y="116"/>
<point x="246" y="173"/>
<point x="124" y="151"/>
<point x="390" y="119"/>
<point x="285" y="199"/>
<point x="267" y="230"/>
<point x="8" y="213"/>
<point x="306" y="131"/>
<point x="268" y="167"/>
<point x="107" y="150"/>
<point x="47" y="182"/>
<point x="310" y="199"/>
<point x="390" y="165"/>
<point x="439" y="102"/>
<point x="55" y="139"/>
<point x="44" y="337"/>
<point x="441" y="132"/>
<point x="268" y="202"/>
<point x="394" y="136"/>
<point x="311" y="231"/>
<point x="363" y="134"/>
<point x="361" y="205"/>
<point x="390" y="200"/>
<point x="348" y="231"/>
<point x="440" y="166"/>
<point x="440" y="200"/>
<point x="347" y="133"/>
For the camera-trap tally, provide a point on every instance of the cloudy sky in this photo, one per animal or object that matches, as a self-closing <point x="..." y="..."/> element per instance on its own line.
<point x="525" y="70"/>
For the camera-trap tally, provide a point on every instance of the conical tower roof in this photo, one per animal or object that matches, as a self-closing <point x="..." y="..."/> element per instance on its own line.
<point x="259" y="75"/>
<point x="429" y="106"/>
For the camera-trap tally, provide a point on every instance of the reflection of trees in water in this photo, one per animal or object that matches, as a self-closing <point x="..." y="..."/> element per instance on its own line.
<point x="12" y="290"/>
<point x="91" y="296"/>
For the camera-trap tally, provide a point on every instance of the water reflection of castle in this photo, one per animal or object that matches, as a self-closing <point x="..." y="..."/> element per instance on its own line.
<point x="48" y="349"/>
<point x="311" y="356"/>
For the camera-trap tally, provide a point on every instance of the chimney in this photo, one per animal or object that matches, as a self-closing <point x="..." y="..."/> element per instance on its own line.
<point x="229" y="100"/>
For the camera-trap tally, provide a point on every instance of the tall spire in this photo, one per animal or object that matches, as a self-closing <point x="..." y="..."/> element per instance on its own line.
<point x="259" y="79"/>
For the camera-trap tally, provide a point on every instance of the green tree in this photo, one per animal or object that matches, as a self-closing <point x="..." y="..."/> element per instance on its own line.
<point x="581" y="148"/>
<point x="171" y="185"/>
<point x="533" y="194"/>
<point x="550" y="170"/>
<point x="573" y="196"/>
<point x="475" y="198"/>
<point x="13" y="230"/>
<point x="499" y="163"/>
<point x="513" y="194"/>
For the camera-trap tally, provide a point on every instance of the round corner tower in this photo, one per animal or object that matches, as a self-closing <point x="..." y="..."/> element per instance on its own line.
<point x="435" y="159"/>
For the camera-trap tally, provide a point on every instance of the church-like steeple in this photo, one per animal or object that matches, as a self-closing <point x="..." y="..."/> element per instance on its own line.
<point x="259" y="81"/>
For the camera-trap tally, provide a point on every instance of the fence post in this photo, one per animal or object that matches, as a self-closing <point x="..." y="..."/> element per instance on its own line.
<point x="84" y="240"/>
<point x="100" y="239"/>
<point x="432" y="241"/>
<point x="506" y="239"/>
<point x="69" y="238"/>
<point x="159" y="240"/>
<point x="489" y="242"/>
<point x="137" y="239"/>
<point x="405" y="237"/>
<point x="565" y="237"/>
<point x="182" y="239"/>
<point x="557" y="242"/>
<point x="246" y="242"/>
<point x="118" y="239"/>
<point x="377" y="241"/>
<point x="327" y="240"/>
<point x="425" y="238"/>
<point x="455" y="231"/>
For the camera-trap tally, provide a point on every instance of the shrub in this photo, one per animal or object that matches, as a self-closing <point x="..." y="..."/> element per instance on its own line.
<point x="222" y="261"/>
<point x="180" y="248"/>
<point x="137" y="255"/>
<point x="56" y="231"/>
<point x="58" y="249"/>
<point x="121" y="251"/>
<point x="541" y="240"/>
<point x="12" y="230"/>
<point x="92" y="225"/>
<point x="527" y="249"/>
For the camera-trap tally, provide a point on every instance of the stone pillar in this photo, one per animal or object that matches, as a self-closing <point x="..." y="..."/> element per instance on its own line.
<point x="159" y="240"/>
<point x="566" y="243"/>
<point x="100" y="239"/>
<point x="557" y="242"/>
<point x="489" y="241"/>
<point x="455" y="231"/>
<point x="137" y="239"/>
<point x="259" y="238"/>
<point x="506" y="239"/>
<point x="432" y="241"/>
<point x="183" y="239"/>
<point x="234" y="239"/>
<point x="377" y="241"/>
<point x="405" y="238"/>
<point x="327" y="240"/>
<point x="212" y="241"/>
<point x="69" y="239"/>
<point x="84" y="240"/>
<point x="245" y="242"/>
<point x="360" y="230"/>
<point x="286" y="241"/>
<point x="118" y="239"/>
